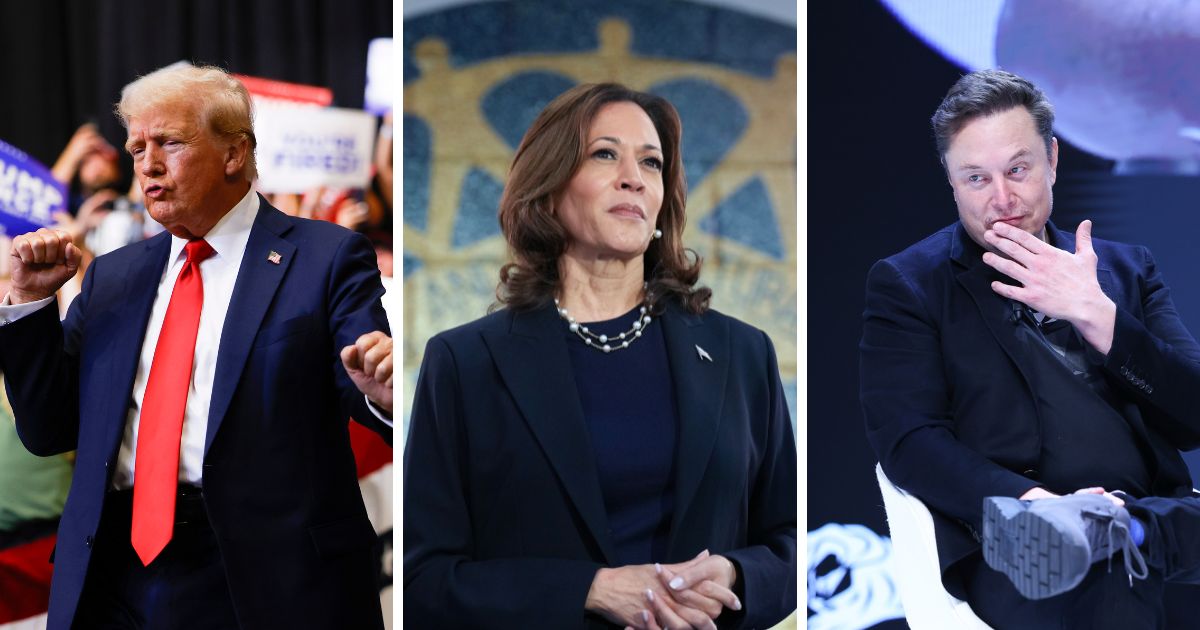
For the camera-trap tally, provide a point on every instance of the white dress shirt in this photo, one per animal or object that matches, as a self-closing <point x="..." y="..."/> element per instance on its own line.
<point x="219" y="272"/>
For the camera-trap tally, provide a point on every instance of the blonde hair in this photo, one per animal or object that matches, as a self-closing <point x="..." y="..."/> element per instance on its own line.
<point x="224" y="103"/>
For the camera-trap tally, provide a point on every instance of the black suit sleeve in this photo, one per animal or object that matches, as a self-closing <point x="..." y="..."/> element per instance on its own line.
<point x="1157" y="360"/>
<point x="767" y="567"/>
<point x="40" y="359"/>
<point x="355" y="309"/>
<point x="445" y="584"/>
<point x="906" y="402"/>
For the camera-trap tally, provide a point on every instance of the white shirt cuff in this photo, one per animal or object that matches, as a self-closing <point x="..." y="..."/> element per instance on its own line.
<point x="10" y="312"/>
<point x="379" y="413"/>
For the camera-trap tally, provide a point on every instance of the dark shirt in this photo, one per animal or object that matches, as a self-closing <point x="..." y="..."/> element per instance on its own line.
<point x="629" y="405"/>
<point x="1060" y="358"/>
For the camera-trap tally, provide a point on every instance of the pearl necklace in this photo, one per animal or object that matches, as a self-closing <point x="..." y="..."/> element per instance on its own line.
<point x="601" y="342"/>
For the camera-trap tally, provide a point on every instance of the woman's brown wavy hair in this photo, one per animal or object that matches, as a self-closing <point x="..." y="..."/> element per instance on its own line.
<point x="548" y="157"/>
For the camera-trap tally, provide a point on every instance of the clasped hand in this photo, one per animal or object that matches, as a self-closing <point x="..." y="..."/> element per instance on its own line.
<point x="1038" y="493"/>
<point x="1055" y="282"/>
<point x="652" y="597"/>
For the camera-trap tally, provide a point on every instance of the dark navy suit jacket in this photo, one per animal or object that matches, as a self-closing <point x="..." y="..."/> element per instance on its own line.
<point x="950" y="408"/>
<point x="504" y="520"/>
<point x="279" y="480"/>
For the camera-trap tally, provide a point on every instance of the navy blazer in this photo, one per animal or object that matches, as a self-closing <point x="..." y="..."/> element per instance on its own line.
<point x="950" y="409"/>
<point x="504" y="520"/>
<point x="279" y="480"/>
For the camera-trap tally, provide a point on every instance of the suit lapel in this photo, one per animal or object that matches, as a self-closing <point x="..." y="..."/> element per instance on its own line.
<point x="124" y="351"/>
<point x="976" y="277"/>
<point x="257" y="282"/>
<point x="699" y="385"/>
<point x="532" y="360"/>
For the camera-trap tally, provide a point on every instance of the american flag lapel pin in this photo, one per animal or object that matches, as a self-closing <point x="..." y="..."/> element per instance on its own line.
<point x="274" y="257"/>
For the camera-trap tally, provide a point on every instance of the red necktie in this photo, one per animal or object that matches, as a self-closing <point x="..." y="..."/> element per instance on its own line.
<point x="156" y="462"/>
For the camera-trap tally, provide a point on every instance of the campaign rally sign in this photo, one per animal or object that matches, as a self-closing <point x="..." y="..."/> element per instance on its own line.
<point x="301" y="148"/>
<point x="260" y="87"/>
<point x="29" y="194"/>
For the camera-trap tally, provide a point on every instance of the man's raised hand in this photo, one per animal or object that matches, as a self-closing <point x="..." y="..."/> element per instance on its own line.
<point x="369" y="364"/>
<point x="41" y="262"/>
<point x="1055" y="282"/>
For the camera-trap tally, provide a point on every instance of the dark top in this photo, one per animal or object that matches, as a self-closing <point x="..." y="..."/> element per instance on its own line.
<point x="632" y="421"/>
<point x="1091" y="423"/>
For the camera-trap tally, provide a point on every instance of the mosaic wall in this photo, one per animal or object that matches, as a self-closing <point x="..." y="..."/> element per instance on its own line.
<point x="475" y="77"/>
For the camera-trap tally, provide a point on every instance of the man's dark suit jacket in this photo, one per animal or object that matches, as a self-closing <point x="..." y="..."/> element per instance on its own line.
<point x="279" y="481"/>
<point x="950" y="409"/>
<point x="504" y="521"/>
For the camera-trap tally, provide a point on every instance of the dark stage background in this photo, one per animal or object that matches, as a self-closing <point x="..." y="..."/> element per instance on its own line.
<point x="64" y="62"/>
<point x="875" y="187"/>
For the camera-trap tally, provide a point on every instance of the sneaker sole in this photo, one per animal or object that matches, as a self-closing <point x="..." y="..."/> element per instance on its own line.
<point x="1029" y="550"/>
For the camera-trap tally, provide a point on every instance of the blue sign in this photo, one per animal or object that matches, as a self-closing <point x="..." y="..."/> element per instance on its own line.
<point x="29" y="194"/>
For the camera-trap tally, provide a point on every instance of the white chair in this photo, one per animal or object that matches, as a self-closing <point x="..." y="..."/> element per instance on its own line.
<point x="915" y="568"/>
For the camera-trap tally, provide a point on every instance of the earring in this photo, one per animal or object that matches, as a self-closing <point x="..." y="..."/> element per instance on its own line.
<point x="657" y="233"/>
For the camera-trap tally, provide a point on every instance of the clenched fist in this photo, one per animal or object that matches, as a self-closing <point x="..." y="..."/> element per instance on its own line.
<point x="369" y="364"/>
<point x="41" y="262"/>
